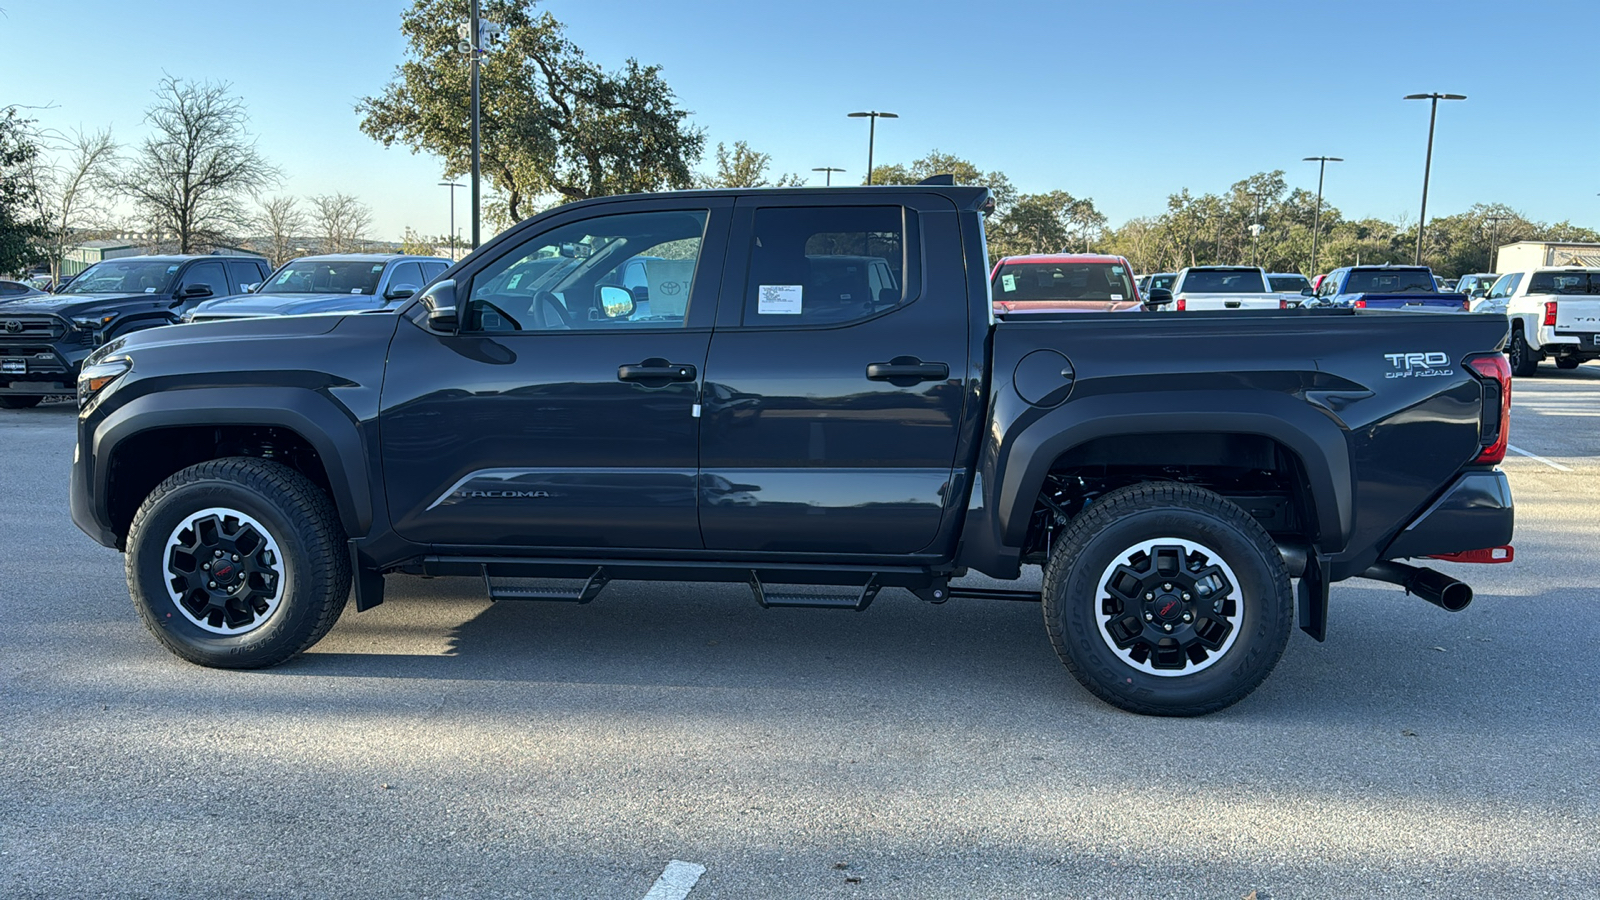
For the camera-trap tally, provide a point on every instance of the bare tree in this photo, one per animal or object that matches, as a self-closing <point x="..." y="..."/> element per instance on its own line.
<point x="191" y="175"/>
<point x="75" y="192"/>
<point x="341" y="221"/>
<point x="279" y="222"/>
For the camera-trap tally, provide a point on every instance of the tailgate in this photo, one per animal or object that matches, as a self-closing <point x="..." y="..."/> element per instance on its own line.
<point x="1577" y="314"/>
<point x="1206" y="302"/>
<point x="1415" y="302"/>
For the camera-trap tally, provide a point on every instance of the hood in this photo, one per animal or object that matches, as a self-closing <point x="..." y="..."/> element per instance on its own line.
<point x="70" y="305"/>
<point x="288" y="304"/>
<point x="286" y="328"/>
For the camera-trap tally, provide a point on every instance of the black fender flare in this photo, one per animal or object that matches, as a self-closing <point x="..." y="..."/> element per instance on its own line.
<point x="326" y="425"/>
<point x="1010" y="482"/>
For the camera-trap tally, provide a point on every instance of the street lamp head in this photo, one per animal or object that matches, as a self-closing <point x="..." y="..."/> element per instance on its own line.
<point x="1322" y="159"/>
<point x="827" y="169"/>
<point x="874" y="114"/>
<point x="1434" y="96"/>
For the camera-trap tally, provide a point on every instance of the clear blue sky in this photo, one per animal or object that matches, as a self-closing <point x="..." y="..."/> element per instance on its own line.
<point x="1125" y="102"/>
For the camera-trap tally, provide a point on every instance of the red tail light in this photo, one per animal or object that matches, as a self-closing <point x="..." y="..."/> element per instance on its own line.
<point x="1361" y="304"/>
<point x="1494" y="422"/>
<point x="1183" y="305"/>
<point x="1466" y="305"/>
<point x="1550" y="313"/>
<point x="1283" y="304"/>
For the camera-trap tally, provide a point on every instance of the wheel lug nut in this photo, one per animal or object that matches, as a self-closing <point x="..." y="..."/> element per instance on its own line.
<point x="1188" y="618"/>
<point x="213" y="584"/>
<point x="1186" y="596"/>
<point x="1167" y="627"/>
<point x="217" y="553"/>
<point x="206" y="566"/>
<point x="236" y="557"/>
<point x="1149" y="596"/>
<point x="1166" y="587"/>
<point x="1148" y="617"/>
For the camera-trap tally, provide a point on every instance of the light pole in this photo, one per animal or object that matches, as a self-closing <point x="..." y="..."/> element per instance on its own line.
<point x="1494" y="237"/>
<point x="452" y="186"/>
<point x="872" y="132"/>
<point x="1316" y="219"/>
<point x="1427" y="167"/>
<point x="830" y="170"/>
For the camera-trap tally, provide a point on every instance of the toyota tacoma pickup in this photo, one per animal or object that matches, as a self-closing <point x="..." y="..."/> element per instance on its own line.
<point x="1554" y="313"/>
<point x="776" y="422"/>
<point x="1209" y="288"/>
<point x="45" y="338"/>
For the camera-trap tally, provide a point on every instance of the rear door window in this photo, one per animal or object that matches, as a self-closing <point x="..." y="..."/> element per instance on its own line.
<point x="830" y="265"/>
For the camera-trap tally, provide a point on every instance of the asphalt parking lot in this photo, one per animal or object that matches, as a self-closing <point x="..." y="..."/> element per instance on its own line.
<point x="442" y="746"/>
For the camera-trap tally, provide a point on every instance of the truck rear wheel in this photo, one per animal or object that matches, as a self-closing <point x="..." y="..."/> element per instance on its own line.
<point x="1524" y="361"/>
<point x="238" y="563"/>
<point x="1568" y="362"/>
<point x="1167" y="599"/>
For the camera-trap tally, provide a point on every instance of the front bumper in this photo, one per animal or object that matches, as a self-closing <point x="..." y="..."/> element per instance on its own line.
<point x="1474" y="513"/>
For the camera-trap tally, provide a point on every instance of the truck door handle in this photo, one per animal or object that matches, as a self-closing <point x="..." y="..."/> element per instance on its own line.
<point x="656" y="370"/>
<point x="907" y="370"/>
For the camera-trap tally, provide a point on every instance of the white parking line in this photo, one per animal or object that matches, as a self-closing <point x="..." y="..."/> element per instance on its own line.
<point x="1521" y="452"/>
<point x="676" y="882"/>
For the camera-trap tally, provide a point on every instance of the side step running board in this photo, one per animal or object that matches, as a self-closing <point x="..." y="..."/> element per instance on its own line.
<point x="589" y="590"/>
<point x="767" y="600"/>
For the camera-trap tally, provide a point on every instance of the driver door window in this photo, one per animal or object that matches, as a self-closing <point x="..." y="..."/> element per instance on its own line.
<point x="609" y="272"/>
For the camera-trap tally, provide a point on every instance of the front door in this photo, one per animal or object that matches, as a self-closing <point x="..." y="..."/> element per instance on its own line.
<point x="834" y="385"/>
<point x="563" y="412"/>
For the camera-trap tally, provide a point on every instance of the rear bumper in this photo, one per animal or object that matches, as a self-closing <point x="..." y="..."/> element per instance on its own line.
<point x="1475" y="512"/>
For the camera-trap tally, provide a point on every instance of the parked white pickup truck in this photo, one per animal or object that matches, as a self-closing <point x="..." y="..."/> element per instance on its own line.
<point x="1555" y="314"/>
<point x="1201" y="288"/>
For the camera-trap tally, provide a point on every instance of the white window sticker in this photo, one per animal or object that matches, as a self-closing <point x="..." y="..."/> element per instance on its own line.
<point x="378" y="267"/>
<point x="1009" y="282"/>
<point x="1116" y="296"/>
<point x="779" y="300"/>
<point x="1116" y="270"/>
<point x="355" y="290"/>
<point x="149" y="290"/>
<point x="515" y="280"/>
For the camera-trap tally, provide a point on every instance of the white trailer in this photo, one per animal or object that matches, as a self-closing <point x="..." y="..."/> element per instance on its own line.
<point x="1525" y="255"/>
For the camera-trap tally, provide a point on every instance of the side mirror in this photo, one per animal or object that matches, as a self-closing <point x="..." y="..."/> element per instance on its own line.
<point x="439" y="303"/>
<point x="196" y="290"/>
<point x="1308" y="292"/>
<point x="616" y="302"/>
<point x="250" y="288"/>
<point x="1158" y="298"/>
<point x="400" y="292"/>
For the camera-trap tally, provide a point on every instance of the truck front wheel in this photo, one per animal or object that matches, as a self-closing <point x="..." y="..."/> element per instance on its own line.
<point x="1167" y="599"/>
<point x="238" y="563"/>
<point x="1524" y="361"/>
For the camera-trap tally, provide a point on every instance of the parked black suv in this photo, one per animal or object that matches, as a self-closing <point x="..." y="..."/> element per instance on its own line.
<point x="43" y="339"/>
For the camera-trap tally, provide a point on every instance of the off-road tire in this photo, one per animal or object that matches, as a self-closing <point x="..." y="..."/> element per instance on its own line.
<point x="20" y="401"/>
<point x="294" y="517"/>
<point x="1524" y="361"/>
<point x="1103" y="536"/>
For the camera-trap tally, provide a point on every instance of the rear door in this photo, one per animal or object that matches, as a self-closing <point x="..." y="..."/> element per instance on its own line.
<point x="830" y="409"/>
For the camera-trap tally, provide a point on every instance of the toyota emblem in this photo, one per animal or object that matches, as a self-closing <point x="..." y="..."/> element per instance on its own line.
<point x="13" y="326"/>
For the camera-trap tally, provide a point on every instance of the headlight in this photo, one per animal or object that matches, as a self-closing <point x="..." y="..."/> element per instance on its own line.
<point x="94" y="323"/>
<point x="96" y="377"/>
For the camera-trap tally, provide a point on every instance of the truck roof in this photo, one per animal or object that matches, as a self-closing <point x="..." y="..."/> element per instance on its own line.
<point x="1064" y="258"/>
<point x="965" y="197"/>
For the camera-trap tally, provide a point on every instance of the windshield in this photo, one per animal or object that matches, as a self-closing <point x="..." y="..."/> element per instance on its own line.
<point x="124" y="277"/>
<point x="1063" y="281"/>
<point x="305" y="276"/>
<point x="1224" y="281"/>
<point x="1391" y="281"/>
<point x="1290" y="284"/>
<point x="1164" y="282"/>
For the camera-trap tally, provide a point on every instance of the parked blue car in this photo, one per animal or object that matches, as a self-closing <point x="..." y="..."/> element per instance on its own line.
<point x="1387" y="287"/>
<point x="343" y="283"/>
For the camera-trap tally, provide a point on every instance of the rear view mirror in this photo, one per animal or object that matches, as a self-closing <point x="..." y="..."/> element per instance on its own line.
<point x="616" y="302"/>
<point x="439" y="301"/>
<point x="1158" y="297"/>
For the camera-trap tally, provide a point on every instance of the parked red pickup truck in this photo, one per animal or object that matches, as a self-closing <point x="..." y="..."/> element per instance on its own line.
<point x="1063" y="282"/>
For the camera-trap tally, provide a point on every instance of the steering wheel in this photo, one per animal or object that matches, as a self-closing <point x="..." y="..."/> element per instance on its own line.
<point x="486" y="305"/>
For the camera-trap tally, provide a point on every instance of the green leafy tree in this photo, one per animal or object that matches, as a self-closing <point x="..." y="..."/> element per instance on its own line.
<point x="552" y="122"/>
<point x="1050" y="222"/>
<point x="742" y="167"/>
<point x="22" y="229"/>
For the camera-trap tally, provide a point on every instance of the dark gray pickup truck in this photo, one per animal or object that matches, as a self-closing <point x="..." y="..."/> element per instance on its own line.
<point x="801" y="388"/>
